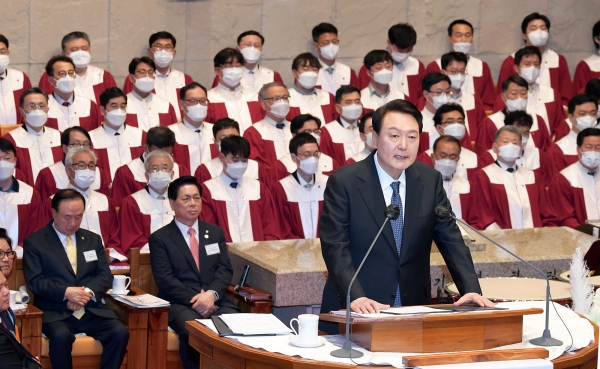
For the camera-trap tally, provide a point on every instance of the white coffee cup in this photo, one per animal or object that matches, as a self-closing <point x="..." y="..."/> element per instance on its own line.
<point x="121" y="283"/>
<point x="308" y="327"/>
<point x="13" y="298"/>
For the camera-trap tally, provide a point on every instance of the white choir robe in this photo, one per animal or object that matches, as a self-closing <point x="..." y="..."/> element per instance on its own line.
<point x="468" y="162"/>
<point x="371" y="100"/>
<point x="340" y="142"/>
<point x="198" y="148"/>
<point x="12" y="87"/>
<point x="300" y="207"/>
<point x="510" y="200"/>
<point x="530" y="159"/>
<point x="256" y="78"/>
<point x="342" y="75"/>
<point x="148" y="112"/>
<point x="245" y="213"/>
<point x="35" y="151"/>
<point x="141" y="215"/>
<point x="20" y="212"/>
<point x="241" y="105"/>
<point x="90" y="85"/>
<point x="575" y="195"/>
<point x="429" y="133"/>
<point x="114" y="151"/>
<point x="319" y="103"/>
<point x="214" y="168"/>
<point x="286" y="166"/>
<point x="562" y="154"/>
<point x="54" y="178"/>
<point x="458" y="191"/>
<point x="82" y="112"/>
<point x="587" y="69"/>
<point x="361" y="155"/>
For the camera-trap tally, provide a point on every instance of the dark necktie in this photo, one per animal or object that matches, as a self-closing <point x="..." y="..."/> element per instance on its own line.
<point x="592" y="173"/>
<point x="117" y="134"/>
<point x="197" y="131"/>
<point x="66" y="103"/>
<point x="280" y="125"/>
<point x="233" y="184"/>
<point x="397" y="227"/>
<point x="510" y="170"/>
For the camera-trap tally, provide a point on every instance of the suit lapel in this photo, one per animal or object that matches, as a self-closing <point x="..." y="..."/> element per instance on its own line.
<point x="82" y="245"/>
<point x="414" y="192"/>
<point x="57" y="246"/>
<point x="180" y="243"/>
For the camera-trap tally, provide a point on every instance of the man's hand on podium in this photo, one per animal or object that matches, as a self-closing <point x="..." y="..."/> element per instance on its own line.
<point x="363" y="305"/>
<point x="474" y="298"/>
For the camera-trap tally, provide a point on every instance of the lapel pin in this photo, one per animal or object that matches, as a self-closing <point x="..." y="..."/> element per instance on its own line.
<point x="205" y="236"/>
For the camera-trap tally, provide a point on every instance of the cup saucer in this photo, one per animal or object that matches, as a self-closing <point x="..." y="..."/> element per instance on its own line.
<point x="111" y="292"/>
<point x="295" y="341"/>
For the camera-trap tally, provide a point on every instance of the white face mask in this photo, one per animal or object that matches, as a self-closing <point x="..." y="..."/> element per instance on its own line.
<point x="462" y="47"/>
<point x="439" y="100"/>
<point x="159" y="180"/>
<point x="163" y="58"/>
<point x="317" y="137"/>
<point x="456" y="80"/>
<point x="236" y="170"/>
<point x="4" y="60"/>
<point x="145" y="84"/>
<point x="538" y="37"/>
<point x="251" y="54"/>
<point x="400" y="57"/>
<point x="308" y="79"/>
<point x="7" y="169"/>
<point x="80" y="58"/>
<point x="330" y="51"/>
<point x="590" y="159"/>
<point x="518" y="104"/>
<point x="369" y="141"/>
<point x="84" y="178"/>
<point x="232" y="76"/>
<point x="530" y="74"/>
<point x="280" y="109"/>
<point x="352" y="112"/>
<point x="446" y="167"/>
<point x="585" y="122"/>
<point x="455" y="130"/>
<point x="310" y="165"/>
<point x="116" y="117"/>
<point x="197" y="112"/>
<point x="509" y="153"/>
<point x="66" y="84"/>
<point x="384" y="76"/>
<point x="36" y="118"/>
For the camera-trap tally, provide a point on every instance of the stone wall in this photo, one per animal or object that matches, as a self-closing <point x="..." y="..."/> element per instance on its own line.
<point x="119" y="29"/>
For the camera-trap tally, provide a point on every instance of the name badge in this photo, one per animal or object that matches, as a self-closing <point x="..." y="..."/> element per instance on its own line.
<point x="90" y="256"/>
<point x="212" y="249"/>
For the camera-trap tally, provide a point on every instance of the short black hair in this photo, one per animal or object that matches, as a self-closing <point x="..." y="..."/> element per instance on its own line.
<point x="446" y="138"/>
<point x="4" y="40"/>
<point x="161" y="137"/>
<point x="321" y="28"/>
<point x="65" y="137"/>
<point x="177" y="183"/>
<point x="188" y="87"/>
<point x="363" y="121"/>
<point x="55" y="59"/>
<point x="592" y="87"/>
<point x="376" y="56"/>
<point x="6" y="145"/>
<point x="4" y="234"/>
<point x="304" y="59"/>
<point x="518" y="118"/>
<point x="235" y="145"/>
<point x="403" y="35"/>
<point x="595" y="33"/>
<point x="581" y="99"/>
<point x="250" y="33"/>
<point x="448" y="58"/>
<point x="74" y="36"/>
<point x="136" y="61"/>
<point x="447" y="108"/>
<point x="301" y="139"/>
<point x="532" y="17"/>
<point x="586" y="133"/>
<point x="344" y="90"/>
<point x="299" y="120"/>
<point x="224" y="123"/>
<point x="527" y="51"/>
<point x="33" y="90"/>
<point x="226" y="56"/>
<point x="517" y="80"/>
<point x="162" y="35"/>
<point x="397" y="106"/>
<point x="433" y="78"/>
<point x="65" y="195"/>
<point x="109" y="94"/>
<point x="458" y="21"/>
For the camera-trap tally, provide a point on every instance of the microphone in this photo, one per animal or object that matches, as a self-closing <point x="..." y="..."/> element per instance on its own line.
<point x="546" y="339"/>
<point x="392" y="212"/>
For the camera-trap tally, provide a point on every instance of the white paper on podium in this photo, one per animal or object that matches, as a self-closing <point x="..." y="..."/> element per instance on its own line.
<point x="509" y="364"/>
<point x="253" y="324"/>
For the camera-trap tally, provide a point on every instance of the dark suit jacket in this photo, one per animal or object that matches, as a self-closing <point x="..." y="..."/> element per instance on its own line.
<point x="48" y="272"/>
<point x="12" y="353"/>
<point x="353" y="212"/>
<point x="175" y="270"/>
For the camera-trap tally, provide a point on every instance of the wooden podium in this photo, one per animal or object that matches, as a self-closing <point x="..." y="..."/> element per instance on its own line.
<point x="459" y="331"/>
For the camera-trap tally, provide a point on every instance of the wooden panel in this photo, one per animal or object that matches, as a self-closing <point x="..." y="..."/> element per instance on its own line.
<point x="225" y="358"/>
<point x="157" y="338"/>
<point x="5" y="128"/>
<point x="503" y="331"/>
<point x="475" y="356"/>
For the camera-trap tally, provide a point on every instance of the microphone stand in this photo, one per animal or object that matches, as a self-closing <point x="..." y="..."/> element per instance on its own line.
<point x="391" y="212"/>
<point x="546" y="339"/>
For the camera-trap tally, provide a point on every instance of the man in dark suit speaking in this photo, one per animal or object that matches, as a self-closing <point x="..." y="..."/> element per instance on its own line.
<point x="397" y="270"/>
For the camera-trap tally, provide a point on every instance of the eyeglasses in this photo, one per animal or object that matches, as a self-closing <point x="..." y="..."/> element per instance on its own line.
<point x="159" y="47"/>
<point x="193" y="102"/>
<point x="144" y="73"/>
<point x="79" y="145"/>
<point x="278" y="98"/>
<point x="449" y="93"/>
<point x="63" y="74"/>
<point x="36" y="106"/>
<point x="308" y="155"/>
<point x="156" y="170"/>
<point x="452" y="121"/>
<point x="82" y="166"/>
<point x="8" y="254"/>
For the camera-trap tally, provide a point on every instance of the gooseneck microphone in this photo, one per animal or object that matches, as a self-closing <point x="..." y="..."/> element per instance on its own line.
<point x="392" y="212"/>
<point x="546" y="339"/>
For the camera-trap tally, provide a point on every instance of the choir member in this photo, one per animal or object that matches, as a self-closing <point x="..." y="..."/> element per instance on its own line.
<point x="299" y="195"/>
<point x="91" y="81"/>
<point x="436" y="92"/>
<point x="588" y="68"/>
<point x="242" y="206"/>
<point x="13" y="82"/>
<point x="365" y="127"/>
<point x="335" y="74"/>
<point x="379" y="66"/>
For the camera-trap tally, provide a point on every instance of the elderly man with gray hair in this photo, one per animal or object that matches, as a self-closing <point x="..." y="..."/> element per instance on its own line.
<point x="508" y="195"/>
<point x="148" y="209"/>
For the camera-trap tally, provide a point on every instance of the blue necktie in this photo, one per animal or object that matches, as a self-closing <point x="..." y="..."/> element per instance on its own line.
<point x="397" y="226"/>
<point x="280" y="125"/>
<point x="329" y="70"/>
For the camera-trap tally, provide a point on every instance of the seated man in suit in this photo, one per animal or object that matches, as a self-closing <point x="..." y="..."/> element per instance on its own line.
<point x="193" y="279"/>
<point x="7" y="257"/>
<point x="66" y="269"/>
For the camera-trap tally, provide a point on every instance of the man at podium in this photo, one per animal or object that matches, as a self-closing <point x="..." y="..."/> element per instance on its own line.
<point x="397" y="270"/>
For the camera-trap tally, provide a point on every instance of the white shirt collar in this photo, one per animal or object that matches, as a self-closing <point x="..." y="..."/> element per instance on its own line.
<point x="111" y="131"/>
<point x="228" y="180"/>
<point x="225" y="88"/>
<point x="155" y="194"/>
<point x="157" y="73"/>
<point x="85" y="193"/>
<point x="303" y="183"/>
<point x="347" y="124"/>
<point x="384" y="178"/>
<point x="32" y="131"/>
<point x="137" y="96"/>
<point x="251" y="70"/>
<point x="192" y="127"/>
<point x="61" y="101"/>
<point x="273" y="122"/>
<point x="184" y="228"/>
<point x="63" y="237"/>
<point x="504" y="166"/>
